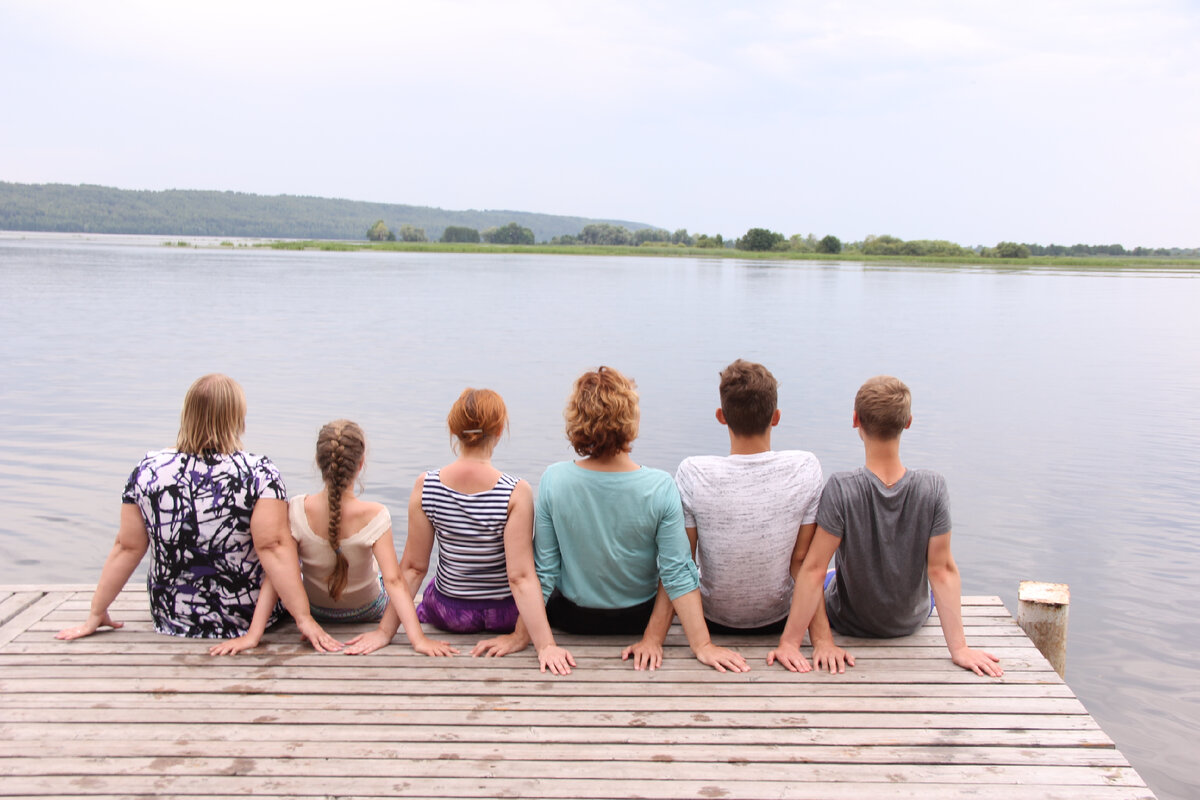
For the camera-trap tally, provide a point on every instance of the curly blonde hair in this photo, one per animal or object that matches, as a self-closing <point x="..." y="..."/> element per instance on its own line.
<point x="602" y="413"/>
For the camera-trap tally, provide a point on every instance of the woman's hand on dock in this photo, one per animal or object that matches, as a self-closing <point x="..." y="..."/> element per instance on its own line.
<point x="556" y="659"/>
<point x="367" y="642"/>
<point x="977" y="661"/>
<point x="94" y="623"/>
<point x="647" y="654"/>
<point x="722" y="659"/>
<point x="234" y="646"/>
<point x="434" y="647"/>
<point x="321" y="641"/>
<point x="501" y="645"/>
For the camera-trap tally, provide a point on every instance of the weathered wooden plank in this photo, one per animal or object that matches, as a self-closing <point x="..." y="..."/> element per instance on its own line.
<point x="558" y="691"/>
<point x="495" y="717"/>
<point x="589" y="670"/>
<point x="724" y="752"/>
<point x="13" y="603"/>
<point x="73" y="588"/>
<point x="409" y="731"/>
<point x="222" y="785"/>
<point x="435" y="703"/>
<point x="27" y="616"/>
<point x="715" y="771"/>
<point x="154" y="703"/>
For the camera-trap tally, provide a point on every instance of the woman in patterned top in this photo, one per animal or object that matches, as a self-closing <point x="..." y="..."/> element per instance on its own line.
<point x="339" y="564"/>
<point x="482" y="520"/>
<point x="215" y="518"/>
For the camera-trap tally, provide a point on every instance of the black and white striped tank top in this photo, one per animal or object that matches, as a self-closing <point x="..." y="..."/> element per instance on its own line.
<point x="470" y="534"/>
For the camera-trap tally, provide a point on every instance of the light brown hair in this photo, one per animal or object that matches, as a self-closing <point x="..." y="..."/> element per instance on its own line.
<point x="749" y="396"/>
<point x="602" y="413"/>
<point x="213" y="417"/>
<point x="476" y="415"/>
<point x="884" y="407"/>
<point x="341" y="446"/>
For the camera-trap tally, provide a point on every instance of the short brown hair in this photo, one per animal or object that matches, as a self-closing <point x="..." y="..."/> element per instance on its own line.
<point x="602" y="413"/>
<point x="884" y="407"/>
<point x="476" y="415"/>
<point x="213" y="417"/>
<point x="749" y="396"/>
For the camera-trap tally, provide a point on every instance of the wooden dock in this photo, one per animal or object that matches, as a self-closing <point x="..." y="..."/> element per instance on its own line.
<point x="131" y="713"/>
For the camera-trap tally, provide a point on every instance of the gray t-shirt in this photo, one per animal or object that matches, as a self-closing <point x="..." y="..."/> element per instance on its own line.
<point x="882" y="582"/>
<point x="747" y="511"/>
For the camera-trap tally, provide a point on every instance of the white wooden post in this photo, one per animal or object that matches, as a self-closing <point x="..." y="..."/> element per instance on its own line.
<point x="1042" y="614"/>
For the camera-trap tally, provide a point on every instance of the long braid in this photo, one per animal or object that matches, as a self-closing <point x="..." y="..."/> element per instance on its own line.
<point x="340" y="447"/>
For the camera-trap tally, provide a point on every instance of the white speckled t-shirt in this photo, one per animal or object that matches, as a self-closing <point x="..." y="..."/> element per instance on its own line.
<point x="747" y="511"/>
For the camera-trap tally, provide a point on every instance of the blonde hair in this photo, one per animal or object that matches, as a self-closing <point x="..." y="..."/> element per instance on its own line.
<point x="476" y="415"/>
<point x="602" y="413"/>
<point x="341" y="446"/>
<point x="213" y="417"/>
<point x="884" y="407"/>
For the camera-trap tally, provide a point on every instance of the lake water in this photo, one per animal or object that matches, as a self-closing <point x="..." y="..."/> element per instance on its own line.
<point x="1062" y="406"/>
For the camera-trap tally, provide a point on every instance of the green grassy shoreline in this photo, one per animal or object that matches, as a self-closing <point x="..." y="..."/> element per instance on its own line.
<point x="1108" y="262"/>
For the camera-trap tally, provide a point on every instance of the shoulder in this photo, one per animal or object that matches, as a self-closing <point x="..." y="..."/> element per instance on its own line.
<point x="845" y="484"/>
<point x="257" y="462"/>
<point x="659" y="480"/>
<point x="154" y="458"/>
<point x="800" y="458"/>
<point x="928" y="479"/>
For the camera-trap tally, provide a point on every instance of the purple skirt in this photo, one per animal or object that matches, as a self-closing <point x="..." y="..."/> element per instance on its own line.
<point x="464" y="615"/>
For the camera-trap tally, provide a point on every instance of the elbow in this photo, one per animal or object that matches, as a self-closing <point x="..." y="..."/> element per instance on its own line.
<point x="412" y="566"/>
<point x="944" y="575"/>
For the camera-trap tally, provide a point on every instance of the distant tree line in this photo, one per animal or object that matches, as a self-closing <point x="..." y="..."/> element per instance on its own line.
<point x="102" y="209"/>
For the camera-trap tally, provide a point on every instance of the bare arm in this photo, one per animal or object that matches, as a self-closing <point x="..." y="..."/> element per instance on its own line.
<point x="648" y="653"/>
<point x="947" y="593"/>
<point x="691" y="617"/>
<point x="414" y="564"/>
<point x="806" y="598"/>
<point x="825" y="652"/>
<point x="267" y="597"/>
<point x="127" y="552"/>
<point x="402" y="602"/>
<point x="527" y="592"/>
<point x="277" y="551"/>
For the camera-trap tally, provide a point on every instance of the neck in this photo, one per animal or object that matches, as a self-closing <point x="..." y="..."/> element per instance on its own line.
<point x="480" y="455"/>
<point x="618" y="462"/>
<point x="883" y="459"/>
<point x="749" y="445"/>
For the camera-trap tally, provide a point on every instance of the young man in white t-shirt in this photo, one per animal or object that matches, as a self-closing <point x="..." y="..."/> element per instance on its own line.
<point x="751" y="516"/>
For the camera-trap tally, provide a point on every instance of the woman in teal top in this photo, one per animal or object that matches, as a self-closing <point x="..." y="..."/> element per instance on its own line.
<point x="609" y="544"/>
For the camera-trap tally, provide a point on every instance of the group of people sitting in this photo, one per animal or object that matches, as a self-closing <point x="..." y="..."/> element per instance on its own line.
<point x="731" y="544"/>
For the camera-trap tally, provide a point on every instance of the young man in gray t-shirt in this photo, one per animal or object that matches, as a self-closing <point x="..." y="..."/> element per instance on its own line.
<point x="888" y="530"/>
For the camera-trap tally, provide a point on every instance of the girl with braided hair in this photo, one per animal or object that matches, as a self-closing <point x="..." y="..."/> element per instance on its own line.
<point x="341" y="540"/>
<point x="482" y="520"/>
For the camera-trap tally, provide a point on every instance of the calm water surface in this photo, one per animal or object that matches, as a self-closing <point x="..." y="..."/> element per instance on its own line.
<point x="1061" y="406"/>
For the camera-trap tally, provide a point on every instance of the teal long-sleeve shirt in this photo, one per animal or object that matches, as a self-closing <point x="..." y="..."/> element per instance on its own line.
<point x="605" y="539"/>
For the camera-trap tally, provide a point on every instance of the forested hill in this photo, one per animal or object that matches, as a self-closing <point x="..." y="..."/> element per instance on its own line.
<point x="176" y="212"/>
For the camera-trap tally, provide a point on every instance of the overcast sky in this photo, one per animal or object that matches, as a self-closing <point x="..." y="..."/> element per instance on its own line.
<point x="1032" y="121"/>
